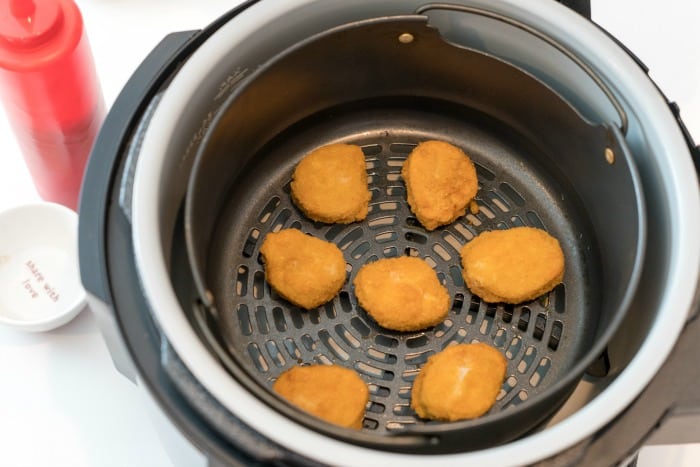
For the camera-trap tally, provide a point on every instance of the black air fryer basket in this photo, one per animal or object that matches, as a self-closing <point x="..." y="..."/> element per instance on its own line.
<point x="387" y="84"/>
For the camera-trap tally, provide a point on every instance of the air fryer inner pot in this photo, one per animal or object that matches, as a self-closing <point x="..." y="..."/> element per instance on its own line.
<point x="386" y="85"/>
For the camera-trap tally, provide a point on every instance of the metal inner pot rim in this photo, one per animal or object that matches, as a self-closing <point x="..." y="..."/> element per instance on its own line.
<point x="662" y="134"/>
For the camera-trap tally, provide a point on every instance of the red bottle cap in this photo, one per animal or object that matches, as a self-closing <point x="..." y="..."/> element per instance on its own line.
<point x="34" y="32"/>
<point x="23" y="25"/>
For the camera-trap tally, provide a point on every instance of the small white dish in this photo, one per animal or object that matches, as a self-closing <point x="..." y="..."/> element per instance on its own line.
<point x="40" y="286"/>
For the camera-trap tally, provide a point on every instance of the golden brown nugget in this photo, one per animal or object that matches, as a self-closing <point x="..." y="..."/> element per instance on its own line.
<point x="403" y="294"/>
<point x="459" y="383"/>
<point x="303" y="269"/>
<point x="331" y="392"/>
<point x="440" y="182"/>
<point x="512" y="266"/>
<point x="330" y="184"/>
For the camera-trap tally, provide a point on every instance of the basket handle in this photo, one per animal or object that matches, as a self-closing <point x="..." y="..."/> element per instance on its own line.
<point x="582" y="7"/>
<point x="542" y="36"/>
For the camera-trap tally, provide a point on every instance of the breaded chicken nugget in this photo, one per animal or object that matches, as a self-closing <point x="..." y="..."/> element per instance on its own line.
<point x="403" y="294"/>
<point x="461" y="382"/>
<point x="303" y="269"/>
<point x="512" y="266"/>
<point x="330" y="184"/>
<point x="331" y="392"/>
<point x="440" y="182"/>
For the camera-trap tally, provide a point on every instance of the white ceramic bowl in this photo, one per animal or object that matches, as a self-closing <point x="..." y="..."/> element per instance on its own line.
<point x="40" y="285"/>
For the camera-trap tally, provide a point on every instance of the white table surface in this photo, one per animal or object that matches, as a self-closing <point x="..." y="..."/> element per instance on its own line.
<point x="62" y="403"/>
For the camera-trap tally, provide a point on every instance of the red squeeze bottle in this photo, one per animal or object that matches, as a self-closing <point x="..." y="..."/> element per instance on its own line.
<point x="50" y="92"/>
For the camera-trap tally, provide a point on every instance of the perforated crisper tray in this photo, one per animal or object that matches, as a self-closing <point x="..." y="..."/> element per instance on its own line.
<point x="265" y="335"/>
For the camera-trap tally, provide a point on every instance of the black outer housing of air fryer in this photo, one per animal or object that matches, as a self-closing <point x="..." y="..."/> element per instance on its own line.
<point x="110" y="275"/>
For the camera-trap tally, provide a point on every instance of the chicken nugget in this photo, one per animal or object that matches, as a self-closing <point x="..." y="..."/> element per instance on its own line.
<point x="440" y="182"/>
<point x="331" y="392"/>
<point x="512" y="266"/>
<point x="459" y="383"/>
<point x="403" y="294"/>
<point x="303" y="269"/>
<point x="330" y="184"/>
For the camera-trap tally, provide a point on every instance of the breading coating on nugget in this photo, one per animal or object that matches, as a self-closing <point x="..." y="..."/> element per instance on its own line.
<point x="403" y="294"/>
<point x="303" y="269"/>
<point x="330" y="184"/>
<point x="461" y="382"/>
<point x="440" y="182"/>
<point x="331" y="392"/>
<point x="512" y="266"/>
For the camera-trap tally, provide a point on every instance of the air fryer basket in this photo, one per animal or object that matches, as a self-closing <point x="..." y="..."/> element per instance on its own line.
<point x="386" y="85"/>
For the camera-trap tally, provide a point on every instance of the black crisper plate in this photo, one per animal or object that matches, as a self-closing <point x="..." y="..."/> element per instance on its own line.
<point x="265" y="335"/>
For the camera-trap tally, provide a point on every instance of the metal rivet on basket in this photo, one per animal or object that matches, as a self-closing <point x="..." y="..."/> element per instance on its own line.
<point x="406" y="38"/>
<point x="609" y="156"/>
<point x="209" y="297"/>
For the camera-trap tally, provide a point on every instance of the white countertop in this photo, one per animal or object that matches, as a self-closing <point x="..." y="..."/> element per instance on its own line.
<point x="62" y="403"/>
